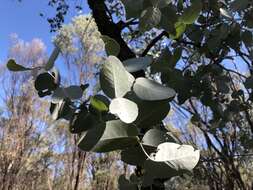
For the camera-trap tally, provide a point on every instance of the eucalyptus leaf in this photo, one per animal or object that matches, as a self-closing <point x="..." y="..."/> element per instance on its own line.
<point x="179" y="30"/>
<point x="154" y="137"/>
<point x="115" y="81"/>
<point x="150" y="90"/>
<point x="239" y="5"/>
<point x="135" y="155"/>
<point x="168" y="19"/>
<point x="111" y="46"/>
<point x="82" y="121"/>
<point x="133" y="8"/>
<point x="150" y="112"/>
<point x="149" y="18"/>
<point x="125" y="109"/>
<point x="178" y="157"/>
<point x="191" y="13"/>
<point x="61" y="110"/>
<point x="100" y="103"/>
<point x="112" y="136"/>
<point x="137" y="64"/>
<point x="170" y="160"/>
<point x="72" y="92"/>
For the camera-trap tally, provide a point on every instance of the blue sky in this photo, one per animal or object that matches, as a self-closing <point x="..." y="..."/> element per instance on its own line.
<point x="23" y="19"/>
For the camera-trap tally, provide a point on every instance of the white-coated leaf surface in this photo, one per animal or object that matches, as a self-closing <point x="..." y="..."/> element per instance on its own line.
<point x="125" y="109"/>
<point x="115" y="81"/>
<point x="179" y="157"/>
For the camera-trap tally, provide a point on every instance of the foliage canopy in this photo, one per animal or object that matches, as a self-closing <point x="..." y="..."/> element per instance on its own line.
<point x="205" y="46"/>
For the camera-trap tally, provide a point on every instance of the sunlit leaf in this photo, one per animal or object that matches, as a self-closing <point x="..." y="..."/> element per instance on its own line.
<point x="171" y="159"/>
<point x="125" y="109"/>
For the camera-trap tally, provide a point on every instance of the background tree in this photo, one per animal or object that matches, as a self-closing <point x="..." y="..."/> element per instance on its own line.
<point x="25" y="149"/>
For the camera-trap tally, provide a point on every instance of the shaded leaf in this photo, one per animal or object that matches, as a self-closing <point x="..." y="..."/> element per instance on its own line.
<point x="45" y="81"/>
<point x="191" y="13"/>
<point x="150" y="18"/>
<point x="137" y="64"/>
<point x="133" y="8"/>
<point x="154" y="137"/>
<point x="115" y="135"/>
<point x="168" y="24"/>
<point x="111" y="46"/>
<point x="61" y="110"/>
<point x="170" y="160"/>
<point x="82" y="121"/>
<point x="150" y="112"/>
<point x="100" y="103"/>
<point x="135" y="156"/>
<point x="179" y="28"/>
<point x="161" y="3"/>
<point x="239" y="5"/>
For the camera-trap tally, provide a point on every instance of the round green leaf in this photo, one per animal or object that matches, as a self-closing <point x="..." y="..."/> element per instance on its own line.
<point x="115" y="135"/>
<point x="115" y="81"/>
<point x="125" y="109"/>
<point x="150" y="18"/>
<point x="82" y="121"/>
<point x="150" y="90"/>
<point x="154" y="137"/>
<point x="150" y="112"/>
<point x="191" y="13"/>
<point x="133" y="8"/>
<point x="137" y="64"/>
<point x="179" y="30"/>
<point x="111" y="46"/>
<point x="91" y="137"/>
<point x="170" y="160"/>
<point x="100" y="103"/>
